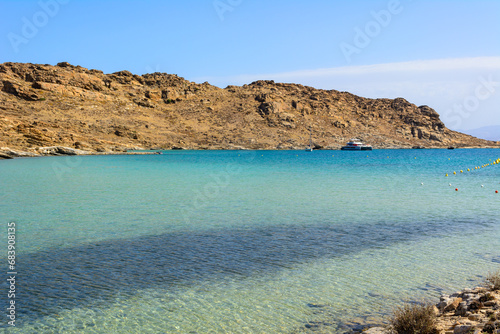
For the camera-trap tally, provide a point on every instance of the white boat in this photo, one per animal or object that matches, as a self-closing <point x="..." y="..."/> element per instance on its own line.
<point x="356" y="145"/>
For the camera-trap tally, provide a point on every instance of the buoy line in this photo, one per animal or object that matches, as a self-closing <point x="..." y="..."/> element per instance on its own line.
<point x="496" y="162"/>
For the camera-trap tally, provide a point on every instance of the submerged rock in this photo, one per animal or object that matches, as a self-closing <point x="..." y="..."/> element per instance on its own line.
<point x="376" y="330"/>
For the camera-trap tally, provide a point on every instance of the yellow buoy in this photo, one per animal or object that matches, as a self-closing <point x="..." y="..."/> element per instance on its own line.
<point x="446" y="174"/>
<point x="454" y="173"/>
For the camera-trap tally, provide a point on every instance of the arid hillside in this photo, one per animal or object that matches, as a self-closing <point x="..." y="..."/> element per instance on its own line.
<point x="71" y="106"/>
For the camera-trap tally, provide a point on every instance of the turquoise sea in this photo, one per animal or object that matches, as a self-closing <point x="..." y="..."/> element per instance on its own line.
<point x="243" y="241"/>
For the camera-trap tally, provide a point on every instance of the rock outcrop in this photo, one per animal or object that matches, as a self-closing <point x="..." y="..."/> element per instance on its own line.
<point x="87" y="110"/>
<point x="471" y="311"/>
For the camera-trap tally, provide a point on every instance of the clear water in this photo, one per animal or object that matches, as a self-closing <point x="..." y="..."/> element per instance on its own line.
<point x="243" y="241"/>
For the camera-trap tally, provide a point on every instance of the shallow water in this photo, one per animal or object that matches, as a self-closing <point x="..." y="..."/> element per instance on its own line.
<point x="244" y="241"/>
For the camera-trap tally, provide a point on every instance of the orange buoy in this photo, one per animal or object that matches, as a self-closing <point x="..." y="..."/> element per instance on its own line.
<point x="496" y="191"/>
<point x="456" y="189"/>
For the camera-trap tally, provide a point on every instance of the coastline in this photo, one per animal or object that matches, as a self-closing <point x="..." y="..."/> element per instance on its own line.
<point x="467" y="311"/>
<point x="8" y="153"/>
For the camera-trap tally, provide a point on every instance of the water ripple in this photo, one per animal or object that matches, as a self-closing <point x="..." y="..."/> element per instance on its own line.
<point x="92" y="275"/>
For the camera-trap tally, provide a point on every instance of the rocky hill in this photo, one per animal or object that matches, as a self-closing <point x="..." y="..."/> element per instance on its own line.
<point x="74" y="107"/>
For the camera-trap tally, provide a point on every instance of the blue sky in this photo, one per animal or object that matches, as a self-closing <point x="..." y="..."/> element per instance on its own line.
<point x="445" y="54"/>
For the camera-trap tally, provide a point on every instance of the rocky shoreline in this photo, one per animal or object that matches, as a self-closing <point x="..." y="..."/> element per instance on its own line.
<point x="7" y="153"/>
<point x="470" y="311"/>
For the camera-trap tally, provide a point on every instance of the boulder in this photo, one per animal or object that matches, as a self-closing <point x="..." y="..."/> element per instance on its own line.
<point x="144" y="103"/>
<point x="170" y="94"/>
<point x="15" y="154"/>
<point x="153" y="95"/>
<point x="462" y="309"/>
<point x="19" y="91"/>
<point x="462" y="329"/>
<point x="267" y="108"/>
<point x="5" y="156"/>
<point x="449" y="304"/>
<point x="435" y="138"/>
<point x="60" y="150"/>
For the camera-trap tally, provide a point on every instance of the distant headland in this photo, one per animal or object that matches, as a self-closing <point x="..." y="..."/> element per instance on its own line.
<point x="66" y="109"/>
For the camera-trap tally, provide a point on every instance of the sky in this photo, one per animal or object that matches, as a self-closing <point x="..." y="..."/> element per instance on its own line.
<point x="441" y="53"/>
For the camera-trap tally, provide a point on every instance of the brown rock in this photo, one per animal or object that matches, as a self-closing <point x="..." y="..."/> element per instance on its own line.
<point x="153" y="95"/>
<point x="462" y="309"/>
<point x="452" y="306"/>
<point x="19" y="91"/>
<point x="267" y="108"/>
<point x="462" y="329"/>
<point x="5" y="156"/>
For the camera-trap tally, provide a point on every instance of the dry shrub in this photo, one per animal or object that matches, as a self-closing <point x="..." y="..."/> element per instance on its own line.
<point x="413" y="319"/>
<point x="493" y="281"/>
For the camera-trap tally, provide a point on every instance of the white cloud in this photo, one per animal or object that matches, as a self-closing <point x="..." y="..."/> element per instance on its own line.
<point x="448" y="85"/>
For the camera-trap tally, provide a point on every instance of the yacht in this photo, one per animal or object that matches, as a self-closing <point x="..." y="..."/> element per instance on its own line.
<point x="356" y="145"/>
